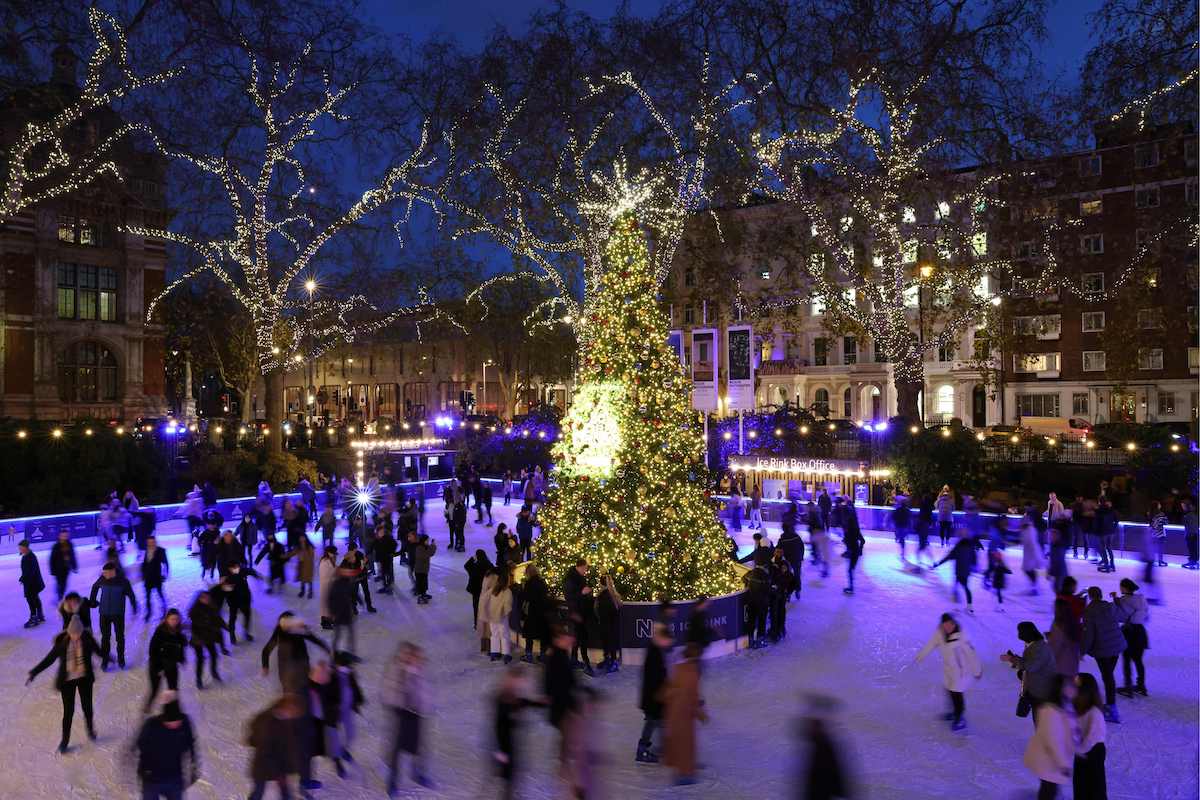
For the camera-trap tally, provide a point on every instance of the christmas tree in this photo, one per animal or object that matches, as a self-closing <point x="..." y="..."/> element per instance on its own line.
<point x="628" y="496"/>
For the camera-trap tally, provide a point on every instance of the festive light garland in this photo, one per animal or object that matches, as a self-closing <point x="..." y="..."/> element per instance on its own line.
<point x="1141" y="105"/>
<point x="633" y="504"/>
<point x="62" y="171"/>
<point x="289" y="325"/>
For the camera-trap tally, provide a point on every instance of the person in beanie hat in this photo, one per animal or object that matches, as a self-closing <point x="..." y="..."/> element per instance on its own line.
<point x="165" y="742"/>
<point x="74" y="650"/>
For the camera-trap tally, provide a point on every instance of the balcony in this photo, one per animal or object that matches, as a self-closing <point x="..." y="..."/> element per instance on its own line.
<point x="785" y="366"/>
<point x="1046" y="374"/>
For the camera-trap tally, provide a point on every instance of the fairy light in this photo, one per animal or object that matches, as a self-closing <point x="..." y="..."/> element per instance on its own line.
<point x="269" y="282"/>
<point x="56" y="433"/>
<point x="44" y="162"/>
<point x="22" y="434"/>
<point x="1142" y="105"/>
<point x="626" y="496"/>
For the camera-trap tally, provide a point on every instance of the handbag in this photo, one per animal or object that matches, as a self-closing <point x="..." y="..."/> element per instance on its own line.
<point x="1024" y="706"/>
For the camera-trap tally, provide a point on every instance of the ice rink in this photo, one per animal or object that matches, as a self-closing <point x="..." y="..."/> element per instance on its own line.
<point x="859" y="649"/>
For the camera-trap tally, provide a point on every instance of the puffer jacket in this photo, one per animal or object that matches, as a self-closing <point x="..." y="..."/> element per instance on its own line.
<point x="1102" y="637"/>
<point x="960" y="662"/>
<point x="497" y="606"/>
<point x="1051" y="751"/>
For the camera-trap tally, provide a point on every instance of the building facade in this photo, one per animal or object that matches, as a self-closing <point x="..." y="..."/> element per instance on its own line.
<point x="73" y="288"/>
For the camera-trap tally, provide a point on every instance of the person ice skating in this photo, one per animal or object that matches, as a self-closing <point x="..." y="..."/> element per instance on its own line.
<point x="1050" y="752"/>
<point x="62" y="562"/>
<point x="559" y="683"/>
<point x="403" y="695"/>
<point x="235" y="593"/>
<point x="902" y="525"/>
<point x="1035" y="668"/>
<point x="1105" y="525"/>
<point x="477" y="566"/>
<point x="279" y="738"/>
<point x="1087" y="773"/>
<point x="306" y="557"/>
<point x="276" y="556"/>
<point x="510" y="700"/>
<point x="1032" y="558"/>
<point x="758" y="605"/>
<point x="855" y="542"/>
<point x="495" y="604"/>
<point x="74" y="650"/>
<point x="291" y="636"/>
<point x="792" y="544"/>
<point x="608" y="616"/>
<point x="1000" y="573"/>
<point x="358" y="561"/>
<point x="327" y="525"/>
<point x="155" y="569"/>
<point x="247" y="535"/>
<point x="350" y="700"/>
<point x="924" y="524"/>
<point x="341" y="607"/>
<point x="485" y="501"/>
<point x="324" y="716"/>
<point x="782" y="586"/>
<point x="945" y="514"/>
<point x="326" y="572"/>
<point x="229" y="551"/>
<point x="654" y="681"/>
<point x="165" y="744"/>
<point x="760" y="554"/>
<point x="1191" y="533"/>
<point x="385" y="558"/>
<point x="422" y="554"/>
<point x="1103" y="641"/>
<point x="112" y="590"/>
<point x="208" y="633"/>
<point x="1133" y="613"/>
<point x="168" y="650"/>
<point x="699" y="629"/>
<point x="525" y="531"/>
<point x="824" y="775"/>
<point x="756" y="507"/>
<point x="963" y="555"/>
<point x="535" y="612"/>
<point x="1156" y="522"/>
<point x="458" y="524"/>
<point x="684" y="707"/>
<point x="75" y="606"/>
<point x="506" y="486"/>
<point x="960" y="665"/>
<point x="32" y="584"/>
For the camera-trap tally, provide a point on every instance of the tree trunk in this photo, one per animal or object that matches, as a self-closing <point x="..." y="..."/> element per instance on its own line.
<point x="274" y="409"/>
<point x="245" y="410"/>
<point x="908" y="379"/>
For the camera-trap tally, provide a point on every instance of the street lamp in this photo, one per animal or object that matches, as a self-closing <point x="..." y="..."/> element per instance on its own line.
<point x="483" y="391"/>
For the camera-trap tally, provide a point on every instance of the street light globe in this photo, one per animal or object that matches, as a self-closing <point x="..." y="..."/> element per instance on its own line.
<point x="979" y="437"/>
<point x="1131" y="446"/>
<point x="914" y="429"/>
<point x="753" y="434"/>
<point x="310" y="285"/>
<point x="1014" y="439"/>
<point x="727" y="436"/>
<point x="945" y="433"/>
<point x="21" y="434"/>
<point x="274" y="351"/>
<point x="803" y="430"/>
<point x="1090" y="443"/>
<point x="779" y="431"/>
<point x="56" y="433"/>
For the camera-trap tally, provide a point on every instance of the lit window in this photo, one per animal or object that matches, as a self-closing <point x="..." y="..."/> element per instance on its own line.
<point x="1037" y="405"/>
<point x="910" y="216"/>
<point x="1093" y="361"/>
<point x="1146" y="198"/>
<point x="910" y="252"/>
<point x="912" y="296"/>
<point x="1092" y="243"/>
<point x="764" y="274"/>
<point x="1080" y="404"/>
<point x="1089" y="208"/>
<point x="979" y="244"/>
<point x="1150" y="358"/>
<point x="817" y="306"/>
<point x="1093" y="321"/>
<point x="821" y="402"/>
<point x="944" y="403"/>
<point x="1035" y="362"/>
<point x="1166" y="403"/>
<point x="1151" y="277"/>
<point x="1194" y="359"/>
<point x="821" y="352"/>
<point x="947" y="352"/>
<point x="849" y="350"/>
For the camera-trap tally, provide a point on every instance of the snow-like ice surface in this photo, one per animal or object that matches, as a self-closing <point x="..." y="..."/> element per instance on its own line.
<point x="857" y="648"/>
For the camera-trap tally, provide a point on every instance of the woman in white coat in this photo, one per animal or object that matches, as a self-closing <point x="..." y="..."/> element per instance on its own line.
<point x="960" y="665"/>
<point x="326" y="572"/>
<point x="495" y="604"/>
<point x="1051" y="751"/>
<point x="1032" y="560"/>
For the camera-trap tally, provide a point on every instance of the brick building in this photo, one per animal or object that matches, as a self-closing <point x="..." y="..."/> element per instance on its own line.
<point x="73" y="289"/>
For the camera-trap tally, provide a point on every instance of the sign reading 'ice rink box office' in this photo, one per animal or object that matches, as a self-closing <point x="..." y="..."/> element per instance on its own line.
<point x="726" y="616"/>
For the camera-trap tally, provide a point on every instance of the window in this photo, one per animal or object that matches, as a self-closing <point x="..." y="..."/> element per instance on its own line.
<point x="1150" y="358"/>
<point x="1093" y="361"/>
<point x="1090" y="208"/>
<point x="1080" y="403"/>
<point x="764" y="274"/>
<point x="1145" y="155"/>
<point x="1189" y="152"/>
<point x="1191" y="193"/>
<point x="979" y="244"/>
<point x="849" y="350"/>
<point x="689" y="277"/>
<point x="848" y="403"/>
<point x="1037" y="405"/>
<point x="821" y="403"/>
<point x="1151" y="278"/>
<point x="1092" y="244"/>
<point x="817" y="306"/>
<point x="1146" y="198"/>
<point x="1192" y="322"/>
<point x="689" y="315"/>
<point x="947" y="352"/>
<point x="87" y="373"/>
<point x="1166" y="403"/>
<point x="1149" y="318"/>
<point x="1093" y="321"/>
<point x="1194" y="358"/>
<point x="76" y="230"/>
<point x="881" y="356"/>
<point x="1024" y="326"/>
<point x="821" y="352"/>
<point x="910" y="252"/>
<point x="1035" y="362"/>
<point x="1090" y="165"/>
<point x="86" y="292"/>
<point x="1093" y="282"/>
<point x="1024" y="250"/>
<point x="944" y="402"/>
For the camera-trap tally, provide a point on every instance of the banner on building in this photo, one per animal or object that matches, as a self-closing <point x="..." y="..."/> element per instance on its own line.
<point x="740" y="376"/>
<point x="675" y="342"/>
<point x="704" y="369"/>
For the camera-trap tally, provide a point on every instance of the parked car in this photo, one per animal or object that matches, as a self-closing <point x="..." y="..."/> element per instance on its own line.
<point x="1002" y="434"/>
<point x="1068" y="429"/>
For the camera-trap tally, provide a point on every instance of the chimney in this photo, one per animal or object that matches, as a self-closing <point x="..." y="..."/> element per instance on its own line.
<point x="66" y="65"/>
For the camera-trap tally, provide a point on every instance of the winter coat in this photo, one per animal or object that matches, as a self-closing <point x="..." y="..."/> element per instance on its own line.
<point x="683" y="708"/>
<point x="1051" y="752"/>
<point x="963" y="554"/>
<point x="573" y="585"/>
<point x="31" y="574"/>
<point x="161" y="751"/>
<point x="1032" y="559"/>
<point x="112" y="592"/>
<point x="326" y="572"/>
<point x="293" y="655"/>
<point x="167" y="648"/>
<point x="58" y="651"/>
<point x="62" y="560"/>
<point x="280" y="746"/>
<point x="1065" y="650"/>
<point x="228" y="553"/>
<point x="422" y="554"/>
<point x="155" y="567"/>
<point x="84" y="613"/>
<point x="758" y="587"/>
<point x="402" y="687"/>
<point x="1106" y="521"/>
<point x="654" y="678"/>
<point x="792" y="546"/>
<point x="208" y="548"/>
<point x="1102" y="637"/>
<point x="945" y="508"/>
<point x="341" y="600"/>
<point x="476" y="570"/>
<point x="495" y="608"/>
<point x="535" y="608"/>
<point x="247" y="533"/>
<point x="305" y="562"/>
<point x="1132" y="609"/>
<point x="1037" y="661"/>
<point x="207" y="625"/>
<point x="960" y="662"/>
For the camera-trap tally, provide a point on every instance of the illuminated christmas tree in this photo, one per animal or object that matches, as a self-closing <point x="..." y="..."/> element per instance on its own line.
<point x="628" y="496"/>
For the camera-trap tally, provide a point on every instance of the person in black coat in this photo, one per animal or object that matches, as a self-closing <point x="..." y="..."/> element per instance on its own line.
<point x="154" y="571"/>
<point x="385" y="558"/>
<point x="824" y="777"/>
<point x="75" y="606"/>
<point x="963" y="554"/>
<point x="276" y="557"/>
<point x="32" y="584"/>
<point x="485" y="501"/>
<point x="280" y="737"/>
<point x="758" y="600"/>
<point x="654" y="679"/>
<point x="235" y="593"/>
<point x="783" y="584"/>
<point x="510" y="701"/>
<point x="560" y="679"/>
<point x="168" y="649"/>
<point x="853" y="539"/>
<point x="208" y="632"/>
<point x="477" y="566"/>
<point x="535" y="613"/>
<point x="74" y="650"/>
<point x="458" y="525"/>
<point x="109" y="594"/>
<point x="341" y="606"/>
<point x="229" y="551"/>
<point x="291" y="636"/>
<point x="62" y="562"/>
<point x="761" y="555"/>
<point x="793" y="549"/>
<point x="247" y="533"/>
<point x="698" y="631"/>
<point x="163" y="745"/>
